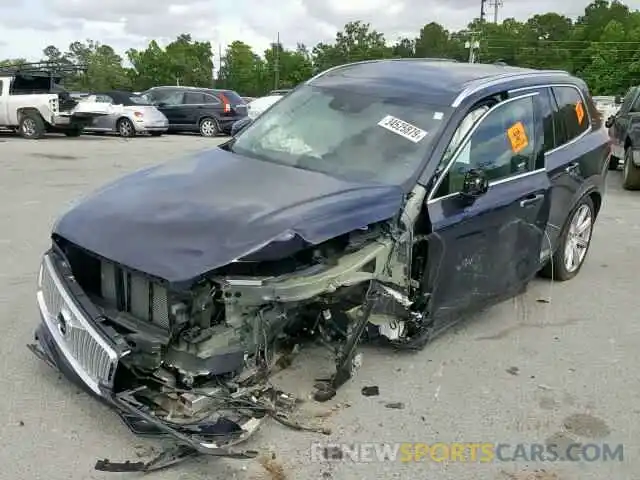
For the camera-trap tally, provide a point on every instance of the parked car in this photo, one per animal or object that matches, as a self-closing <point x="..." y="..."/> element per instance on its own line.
<point x="129" y="115"/>
<point x="207" y="111"/>
<point x="248" y="100"/>
<point x="625" y="139"/>
<point x="33" y="103"/>
<point x="606" y="105"/>
<point x="384" y="199"/>
<point x="259" y="105"/>
<point x="240" y="125"/>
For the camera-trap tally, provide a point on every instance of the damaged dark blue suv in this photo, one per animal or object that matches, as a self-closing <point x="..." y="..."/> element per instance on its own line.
<point x="381" y="200"/>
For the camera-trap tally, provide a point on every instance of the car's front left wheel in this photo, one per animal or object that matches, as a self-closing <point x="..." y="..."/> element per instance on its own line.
<point x="126" y="128"/>
<point x="574" y="244"/>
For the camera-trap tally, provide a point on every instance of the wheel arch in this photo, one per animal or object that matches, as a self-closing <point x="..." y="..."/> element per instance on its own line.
<point x="596" y="198"/>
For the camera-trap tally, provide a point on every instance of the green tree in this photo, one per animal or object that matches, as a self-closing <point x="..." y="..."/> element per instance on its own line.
<point x="241" y="70"/>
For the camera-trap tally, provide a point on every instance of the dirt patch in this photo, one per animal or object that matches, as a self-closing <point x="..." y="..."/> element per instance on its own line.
<point x="586" y="426"/>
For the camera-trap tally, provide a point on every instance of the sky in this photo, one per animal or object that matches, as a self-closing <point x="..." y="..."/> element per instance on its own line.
<point x="27" y="26"/>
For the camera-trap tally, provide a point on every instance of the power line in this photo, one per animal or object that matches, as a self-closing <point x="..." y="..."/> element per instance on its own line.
<point x="496" y="4"/>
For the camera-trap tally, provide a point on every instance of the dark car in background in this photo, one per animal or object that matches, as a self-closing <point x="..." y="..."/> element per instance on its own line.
<point x="624" y="127"/>
<point x="207" y="111"/>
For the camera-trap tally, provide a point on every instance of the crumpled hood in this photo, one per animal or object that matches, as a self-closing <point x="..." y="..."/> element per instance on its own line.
<point x="185" y="218"/>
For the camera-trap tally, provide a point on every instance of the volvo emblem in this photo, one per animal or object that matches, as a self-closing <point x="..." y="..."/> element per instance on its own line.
<point x="63" y="322"/>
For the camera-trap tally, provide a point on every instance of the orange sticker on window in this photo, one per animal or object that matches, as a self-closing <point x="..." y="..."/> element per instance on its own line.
<point x="579" y="112"/>
<point x="517" y="137"/>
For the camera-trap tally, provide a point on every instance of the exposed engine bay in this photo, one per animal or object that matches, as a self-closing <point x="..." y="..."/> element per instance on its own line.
<point x="199" y="360"/>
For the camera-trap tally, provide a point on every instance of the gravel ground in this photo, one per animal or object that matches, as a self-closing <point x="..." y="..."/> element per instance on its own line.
<point x="553" y="363"/>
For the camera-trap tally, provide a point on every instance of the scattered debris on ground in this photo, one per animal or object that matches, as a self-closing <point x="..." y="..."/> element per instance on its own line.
<point x="371" y="391"/>
<point x="513" y="370"/>
<point x="395" y="405"/>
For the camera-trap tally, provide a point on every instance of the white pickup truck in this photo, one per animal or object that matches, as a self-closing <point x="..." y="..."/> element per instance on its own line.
<point x="32" y="104"/>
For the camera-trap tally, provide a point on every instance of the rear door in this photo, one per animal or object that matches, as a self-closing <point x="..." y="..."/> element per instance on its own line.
<point x="486" y="250"/>
<point x="578" y="156"/>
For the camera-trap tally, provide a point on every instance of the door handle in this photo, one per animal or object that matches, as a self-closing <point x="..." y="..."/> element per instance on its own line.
<point x="572" y="167"/>
<point x="531" y="199"/>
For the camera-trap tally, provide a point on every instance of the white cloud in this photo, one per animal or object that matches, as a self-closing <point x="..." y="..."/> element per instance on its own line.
<point x="27" y="27"/>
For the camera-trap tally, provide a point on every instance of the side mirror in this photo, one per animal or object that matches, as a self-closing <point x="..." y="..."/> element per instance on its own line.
<point x="475" y="184"/>
<point x="610" y="121"/>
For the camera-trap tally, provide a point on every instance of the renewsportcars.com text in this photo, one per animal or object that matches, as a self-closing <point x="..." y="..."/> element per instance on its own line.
<point x="466" y="452"/>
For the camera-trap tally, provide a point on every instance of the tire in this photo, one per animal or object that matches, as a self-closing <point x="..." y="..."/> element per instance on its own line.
<point x="209" y="127"/>
<point x="125" y="128"/>
<point x="557" y="268"/>
<point x="155" y="134"/>
<point x="32" y="126"/>
<point x="630" y="172"/>
<point x="614" y="163"/>
<point x="75" y="132"/>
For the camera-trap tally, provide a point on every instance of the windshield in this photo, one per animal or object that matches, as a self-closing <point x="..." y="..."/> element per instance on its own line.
<point x="138" y="100"/>
<point x="346" y="134"/>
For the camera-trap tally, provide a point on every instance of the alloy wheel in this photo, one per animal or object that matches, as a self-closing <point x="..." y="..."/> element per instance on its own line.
<point x="126" y="129"/>
<point x="208" y="128"/>
<point x="29" y="127"/>
<point x="578" y="238"/>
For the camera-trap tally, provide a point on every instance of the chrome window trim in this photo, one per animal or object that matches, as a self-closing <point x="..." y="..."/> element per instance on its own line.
<point x="582" y="98"/>
<point x="491" y="184"/>
<point x="481" y="84"/>
<point x="464" y="143"/>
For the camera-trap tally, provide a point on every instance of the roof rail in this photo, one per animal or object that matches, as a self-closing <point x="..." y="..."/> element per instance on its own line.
<point x="362" y="62"/>
<point x="43" y="69"/>
<point x="481" y="83"/>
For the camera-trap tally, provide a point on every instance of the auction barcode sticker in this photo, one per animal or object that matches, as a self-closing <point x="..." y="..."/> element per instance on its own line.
<point x="402" y="128"/>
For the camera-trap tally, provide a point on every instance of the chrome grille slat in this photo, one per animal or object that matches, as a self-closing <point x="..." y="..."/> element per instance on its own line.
<point x="140" y="297"/>
<point x="79" y="340"/>
<point x="148" y="301"/>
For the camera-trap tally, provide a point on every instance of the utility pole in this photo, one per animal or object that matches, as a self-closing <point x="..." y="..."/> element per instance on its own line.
<point x="276" y="63"/>
<point x="473" y="45"/>
<point x="496" y="4"/>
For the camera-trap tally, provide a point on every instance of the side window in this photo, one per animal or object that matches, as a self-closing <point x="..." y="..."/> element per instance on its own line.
<point x="170" y="98"/>
<point x="572" y="114"/>
<point x="103" y="99"/>
<point x="191" y="98"/>
<point x="211" y="100"/>
<point x="628" y="98"/>
<point x="503" y="145"/>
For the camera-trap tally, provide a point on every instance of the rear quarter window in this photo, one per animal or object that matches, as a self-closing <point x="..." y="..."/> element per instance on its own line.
<point x="233" y="97"/>
<point x="572" y="118"/>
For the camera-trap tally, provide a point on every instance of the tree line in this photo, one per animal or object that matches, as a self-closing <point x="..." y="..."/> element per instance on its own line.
<point x="602" y="46"/>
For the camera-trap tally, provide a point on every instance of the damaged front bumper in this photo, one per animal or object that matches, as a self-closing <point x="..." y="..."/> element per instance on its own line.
<point x="69" y="340"/>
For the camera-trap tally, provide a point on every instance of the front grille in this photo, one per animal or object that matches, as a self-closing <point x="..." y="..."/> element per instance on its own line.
<point x="87" y="352"/>
<point x="134" y="294"/>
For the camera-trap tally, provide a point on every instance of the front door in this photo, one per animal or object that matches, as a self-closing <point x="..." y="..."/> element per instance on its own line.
<point x="171" y="104"/>
<point x="483" y="250"/>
